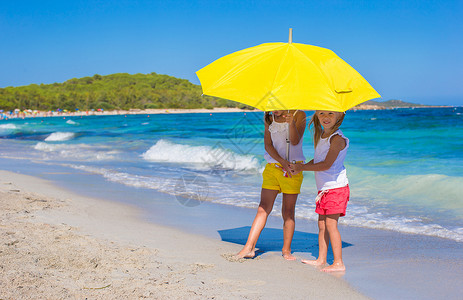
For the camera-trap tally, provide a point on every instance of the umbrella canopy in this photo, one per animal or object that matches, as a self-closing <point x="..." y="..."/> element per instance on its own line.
<point x="284" y="76"/>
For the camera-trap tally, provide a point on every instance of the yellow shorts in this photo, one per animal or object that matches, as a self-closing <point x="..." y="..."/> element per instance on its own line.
<point x="274" y="180"/>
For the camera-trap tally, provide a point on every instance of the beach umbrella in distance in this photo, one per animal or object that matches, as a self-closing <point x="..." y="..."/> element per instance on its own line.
<point x="286" y="76"/>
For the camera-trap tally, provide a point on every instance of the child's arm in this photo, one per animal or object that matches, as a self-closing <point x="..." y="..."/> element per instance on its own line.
<point x="337" y="143"/>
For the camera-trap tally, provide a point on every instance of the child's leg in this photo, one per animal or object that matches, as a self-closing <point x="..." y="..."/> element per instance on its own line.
<point x="323" y="242"/>
<point x="267" y="198"/>
<point x="336" y="243"/>
<point x="287" y="210"/>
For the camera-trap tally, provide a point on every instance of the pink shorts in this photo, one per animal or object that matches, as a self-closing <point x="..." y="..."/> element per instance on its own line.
<point x="333" y="201"/>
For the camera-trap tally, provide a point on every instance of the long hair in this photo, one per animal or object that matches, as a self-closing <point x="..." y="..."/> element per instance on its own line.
<point x="267" y="118"/>
<point x="318" y="129"/>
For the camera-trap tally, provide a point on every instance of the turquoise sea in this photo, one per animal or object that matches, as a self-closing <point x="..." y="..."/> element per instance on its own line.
<point x="405" y="166"/>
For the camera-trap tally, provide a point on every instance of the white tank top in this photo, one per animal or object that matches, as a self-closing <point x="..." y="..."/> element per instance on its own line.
<point x="336" y="176"/>
<point x="279" y="133"/>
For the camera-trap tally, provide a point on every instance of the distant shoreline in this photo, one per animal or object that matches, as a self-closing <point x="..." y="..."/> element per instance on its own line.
<point x="379" y="107"/>
<point x="42" y="114"/>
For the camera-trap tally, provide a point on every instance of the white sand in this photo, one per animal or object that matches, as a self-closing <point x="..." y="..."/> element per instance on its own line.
<point x="58" y="245"/>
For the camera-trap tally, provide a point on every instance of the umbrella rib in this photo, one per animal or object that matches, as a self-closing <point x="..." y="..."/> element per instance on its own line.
<point x="278" y="70"/>
<point x="327" y="79"/>
<point x="233" y="72"/>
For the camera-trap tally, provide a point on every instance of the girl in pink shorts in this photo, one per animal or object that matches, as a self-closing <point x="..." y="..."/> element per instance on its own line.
<point x="332" y="184"/>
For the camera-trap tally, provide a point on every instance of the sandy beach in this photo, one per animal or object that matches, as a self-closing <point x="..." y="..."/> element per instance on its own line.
<point x="59" y="245"/>
<point x="90" y="217"/>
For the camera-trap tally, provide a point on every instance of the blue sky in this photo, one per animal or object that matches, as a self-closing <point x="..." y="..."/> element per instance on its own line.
<point x="408" y="50"/>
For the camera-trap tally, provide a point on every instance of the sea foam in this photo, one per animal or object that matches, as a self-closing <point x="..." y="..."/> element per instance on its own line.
<point x="8" y="126"/>
<point x="60" y="136"/>
<point x="166" y="185"/>
<point x="357" y="216"/>
<point x="80" y="152"/>
<point x="205" y="156"/>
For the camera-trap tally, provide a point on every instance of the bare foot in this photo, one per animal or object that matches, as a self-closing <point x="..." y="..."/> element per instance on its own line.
<point x="246" y="254"/>
<point x="313" y="262"/>
<point x="337" y="267"/>
<point x="288" y="256"/>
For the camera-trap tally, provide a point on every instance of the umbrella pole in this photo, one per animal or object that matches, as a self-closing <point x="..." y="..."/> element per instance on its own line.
<point x="287" y="137"/>
<point x="290" y="40"/>
<point x="287" y="143"/>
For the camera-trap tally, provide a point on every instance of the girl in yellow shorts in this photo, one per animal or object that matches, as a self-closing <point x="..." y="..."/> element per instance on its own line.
<point x="277" y="177"/>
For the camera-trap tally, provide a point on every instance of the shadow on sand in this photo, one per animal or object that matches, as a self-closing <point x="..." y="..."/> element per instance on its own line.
<point x="271" y="239"/>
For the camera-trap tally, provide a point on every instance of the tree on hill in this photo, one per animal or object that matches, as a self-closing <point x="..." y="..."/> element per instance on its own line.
<point x="115" y="91"/>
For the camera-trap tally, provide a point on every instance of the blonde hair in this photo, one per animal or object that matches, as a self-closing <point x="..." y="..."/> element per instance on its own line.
<point x="318" y="129"/>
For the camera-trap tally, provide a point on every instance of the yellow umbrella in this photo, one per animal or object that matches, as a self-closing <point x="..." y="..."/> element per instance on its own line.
<point x="286" y="76"/>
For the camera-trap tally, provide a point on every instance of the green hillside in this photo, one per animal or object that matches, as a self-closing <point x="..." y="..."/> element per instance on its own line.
<point x="392" y="104"/>
<point x="115" y="91"/>
<point x="123" y="91"/>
